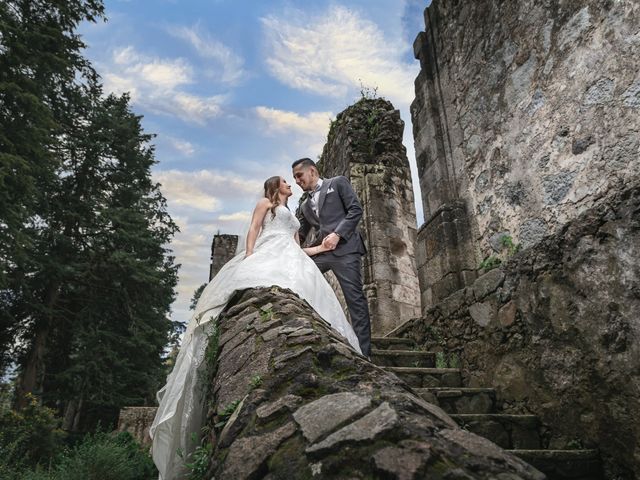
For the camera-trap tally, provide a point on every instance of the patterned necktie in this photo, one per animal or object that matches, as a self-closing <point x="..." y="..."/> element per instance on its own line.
<point x="314" y="199"/>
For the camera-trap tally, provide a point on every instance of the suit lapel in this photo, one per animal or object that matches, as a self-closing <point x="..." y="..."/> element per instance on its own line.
<point x="323" y="194"/>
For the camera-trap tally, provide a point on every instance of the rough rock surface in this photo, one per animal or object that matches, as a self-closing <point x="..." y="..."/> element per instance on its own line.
<point x="557" y="331"/>
<point x="527" y="112"/>
<point x="365" y="145"/>
<point x="320" y="410"/>
<point x="136" y="421"/>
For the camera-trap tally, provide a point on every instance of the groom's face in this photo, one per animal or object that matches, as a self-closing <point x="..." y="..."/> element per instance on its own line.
<point x="306" y="177"/>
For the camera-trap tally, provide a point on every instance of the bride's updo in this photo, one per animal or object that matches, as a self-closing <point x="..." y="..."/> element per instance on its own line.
<point x="271" y="189"/>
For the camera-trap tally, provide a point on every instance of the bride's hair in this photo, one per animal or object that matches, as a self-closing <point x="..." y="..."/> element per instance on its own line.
<point x="271" y="188"/>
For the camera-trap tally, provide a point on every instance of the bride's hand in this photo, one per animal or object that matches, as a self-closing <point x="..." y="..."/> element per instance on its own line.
<point x="327" y="243"/>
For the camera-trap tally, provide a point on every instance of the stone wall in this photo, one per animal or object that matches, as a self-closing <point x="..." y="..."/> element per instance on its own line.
<point x="290" y="399"/>
<point x="136" y="421"/>
<point x="223" y="249"/>
<point x="365" y="145"/>
<point x="557" y="332"/>
<point x="526" y="114"/>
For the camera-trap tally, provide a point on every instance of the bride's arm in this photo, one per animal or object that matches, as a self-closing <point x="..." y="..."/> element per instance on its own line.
<point x="311" y="251"/>
<point x="256" y="223"/>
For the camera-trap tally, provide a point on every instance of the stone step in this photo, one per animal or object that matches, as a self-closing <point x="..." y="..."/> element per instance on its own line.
<point x="419" y="377"/>
<point x="461" y="400"/>
<point x="403" y="358"/>
<point x="506" y="431"/>
<point x="394" y="343"/>
<point x="564" y="464"/>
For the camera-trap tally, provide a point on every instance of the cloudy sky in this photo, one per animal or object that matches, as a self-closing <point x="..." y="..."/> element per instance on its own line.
<point x="237" y="90"/>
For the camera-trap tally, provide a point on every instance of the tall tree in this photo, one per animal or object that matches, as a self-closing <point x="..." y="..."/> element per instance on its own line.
<point x="41" y="73"/>
<point x="86" y="281"/>
<point x="125" y="276"/>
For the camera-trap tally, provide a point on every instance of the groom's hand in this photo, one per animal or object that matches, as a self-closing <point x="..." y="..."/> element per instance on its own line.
<point x="331" y="241"/>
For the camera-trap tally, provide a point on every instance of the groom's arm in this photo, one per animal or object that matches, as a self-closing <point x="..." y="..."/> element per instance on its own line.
<point x="352" y="206"/>
<point x="305" y="226"/>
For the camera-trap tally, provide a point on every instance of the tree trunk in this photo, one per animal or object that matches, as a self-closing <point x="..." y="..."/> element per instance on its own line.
<point x="32" y="375"/>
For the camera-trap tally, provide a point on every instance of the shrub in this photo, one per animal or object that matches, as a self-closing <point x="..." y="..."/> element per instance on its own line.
<point x="29" y="437"/>
<point x="105" y="456"/>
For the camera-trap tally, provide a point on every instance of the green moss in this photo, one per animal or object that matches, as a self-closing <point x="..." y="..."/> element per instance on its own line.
<point x="440" y="467"/>
<point x="290" y="460"/>
<point x="266" y="314"/>
<point x="255" y="382"/>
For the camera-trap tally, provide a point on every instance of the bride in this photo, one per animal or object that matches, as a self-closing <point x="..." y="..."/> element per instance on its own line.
<point x="272" y="257"/>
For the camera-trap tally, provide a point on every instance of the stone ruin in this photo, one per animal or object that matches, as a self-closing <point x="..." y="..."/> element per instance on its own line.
<point x="522" y="321"/>
<point x="223" y="249"/>
<point x="365" y="145"/>
<point x="526" y="115"/>
<point x="526" y="123"/>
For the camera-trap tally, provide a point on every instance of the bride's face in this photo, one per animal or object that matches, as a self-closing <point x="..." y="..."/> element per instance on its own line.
<point x="285" y="188"/>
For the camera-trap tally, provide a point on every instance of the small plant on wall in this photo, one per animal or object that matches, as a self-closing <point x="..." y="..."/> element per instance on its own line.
<point x="508" y="248"/>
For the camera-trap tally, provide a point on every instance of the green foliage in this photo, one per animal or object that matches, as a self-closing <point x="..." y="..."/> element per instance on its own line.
<point x="509" y="248"/>
<point x="34" y="448"/>
<point x="575" y="444"/>
<point x="256" y="381"/>
<point x="266" y="314"/>
<point x="434" y="334"/>
<point x="105" y="456"/>
<point x="86" y="279"/>
<point x="196" y="296"/>
<point x="490" y="262"/>
<point x="210" y="362"/>
<point x="507" y="242"/>
<point x="28" y="437"/>
<point x="226" y="413"/>
<point x="198" y="461"/>
<point x="441" y="360"/>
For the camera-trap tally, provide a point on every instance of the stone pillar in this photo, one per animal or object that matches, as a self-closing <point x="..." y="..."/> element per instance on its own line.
<point x="445" y="251"/>
<point x="365" y="145"/>
<point x="223" y="249"/>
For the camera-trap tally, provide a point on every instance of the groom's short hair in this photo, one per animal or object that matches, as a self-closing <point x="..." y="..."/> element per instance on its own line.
<point x="305" y="162"/>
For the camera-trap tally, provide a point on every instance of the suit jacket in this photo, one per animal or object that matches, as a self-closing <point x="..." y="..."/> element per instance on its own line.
<point x="339" y="211"/>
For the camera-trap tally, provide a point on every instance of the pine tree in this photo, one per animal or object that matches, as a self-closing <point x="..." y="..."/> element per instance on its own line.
<point x="127" y="278"/>
<point x="87" y="281"/>
<point x="41" y="74"/>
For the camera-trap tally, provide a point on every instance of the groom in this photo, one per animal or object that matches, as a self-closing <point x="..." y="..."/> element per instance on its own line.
<point x="329" y="216"/>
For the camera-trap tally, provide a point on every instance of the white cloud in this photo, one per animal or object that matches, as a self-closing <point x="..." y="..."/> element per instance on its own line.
<point x="205" y="190"/>
<point x="161" y="73"/>
<point x="228" y="66"/>
<point x="235" y="217"/>
<point x="315" y="124"/>
<point x="331" y="53"/>
<point x="154" y="83"/>
<point x="184" y="147"/>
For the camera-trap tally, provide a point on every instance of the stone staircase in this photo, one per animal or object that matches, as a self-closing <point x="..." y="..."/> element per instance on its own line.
<point x="477" y="410"/>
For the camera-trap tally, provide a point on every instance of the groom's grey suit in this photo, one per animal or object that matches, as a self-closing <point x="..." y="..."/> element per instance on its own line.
<point x="339" y="211"/>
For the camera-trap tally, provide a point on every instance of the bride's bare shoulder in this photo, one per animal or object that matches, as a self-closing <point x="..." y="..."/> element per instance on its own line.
<point x="263" y="204"/>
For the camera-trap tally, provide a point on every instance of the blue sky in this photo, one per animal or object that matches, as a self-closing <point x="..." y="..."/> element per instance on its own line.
<point x="236" y="91"/>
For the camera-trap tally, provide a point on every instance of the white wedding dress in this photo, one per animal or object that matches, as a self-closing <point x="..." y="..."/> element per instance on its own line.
<point x="277" y="259"/>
